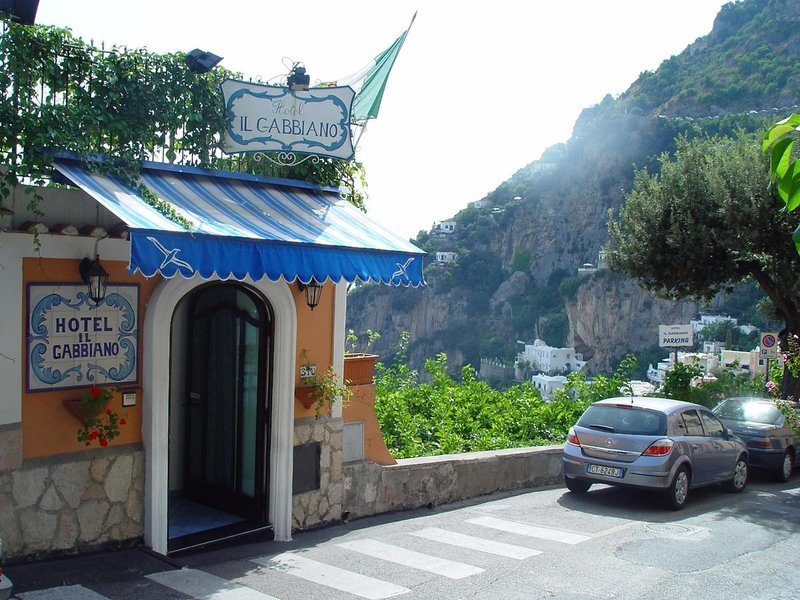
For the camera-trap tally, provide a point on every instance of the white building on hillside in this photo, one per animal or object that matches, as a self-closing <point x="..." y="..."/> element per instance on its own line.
<point x="443" y="228"/>
<point x="704" y="320"/>
<point x="445" y="257"/>
<point x="706" y="361"/>
<point x="549" y="360"/>
<point x="745" y="363"/>
<point x="547" y="384"/>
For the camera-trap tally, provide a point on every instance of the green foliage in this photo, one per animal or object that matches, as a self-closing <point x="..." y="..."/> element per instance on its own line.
<point x="585" y="392"/>
<point x="706" y="223"/>
<point x="522" y="261"/>
<point x="747" y="61"/>
<point x="645" y="358"/>
<point x="727" y="385"/>
<point x="353" y="339"/>
<point x="569" y="286"/>
<point x="780" y="140"/>
<point x="678" y="381"/>
<point x="59" y="93"/>
<point x="730" y="334"/>
<point x="483" y="272"/>
<point x="445" y="416"/>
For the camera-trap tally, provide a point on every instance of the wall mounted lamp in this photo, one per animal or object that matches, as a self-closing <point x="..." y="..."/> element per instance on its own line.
<point x="95" y="277"/>
<point x="313" y="292"/>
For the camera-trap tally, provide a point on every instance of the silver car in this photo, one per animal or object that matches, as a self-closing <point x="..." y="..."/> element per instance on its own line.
<point x="653" y="443"/>
<point x="770" y="441"/>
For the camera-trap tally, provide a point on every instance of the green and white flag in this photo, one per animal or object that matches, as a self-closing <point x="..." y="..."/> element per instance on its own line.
<point x="370" y="82"/>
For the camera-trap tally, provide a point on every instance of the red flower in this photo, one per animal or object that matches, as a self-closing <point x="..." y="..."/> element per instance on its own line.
<point x="122" y="422"/>
<point x="93" y="436"/>
<point x="103" y="442"/>
<point x="109" y="412"/>
<point x="95" y="391"/>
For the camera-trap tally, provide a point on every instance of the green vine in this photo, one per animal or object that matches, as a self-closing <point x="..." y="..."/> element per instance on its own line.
<point x="58" y="93"/>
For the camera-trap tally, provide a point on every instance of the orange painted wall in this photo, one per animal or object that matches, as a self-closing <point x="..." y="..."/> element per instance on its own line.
<point x="47" y="427"/>
<point x="315" y="336"/>
<point x="362" y="408"/>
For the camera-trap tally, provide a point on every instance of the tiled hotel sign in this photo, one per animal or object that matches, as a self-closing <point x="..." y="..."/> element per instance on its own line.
<point x="73" y="342"/>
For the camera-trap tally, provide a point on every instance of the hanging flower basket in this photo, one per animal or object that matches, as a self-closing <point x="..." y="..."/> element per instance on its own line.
<point x="98" y="422"/>
<point x="359" y="368"/>
<point x="85" y="413"/>
<point x="305" y="395"/>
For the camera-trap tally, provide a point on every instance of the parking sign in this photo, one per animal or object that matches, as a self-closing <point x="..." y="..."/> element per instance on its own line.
<point x="769" y="345"/>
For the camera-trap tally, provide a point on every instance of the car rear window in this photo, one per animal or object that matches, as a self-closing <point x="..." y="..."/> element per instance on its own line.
<point x="753" y="410"/>
<point x="624" y="419"/>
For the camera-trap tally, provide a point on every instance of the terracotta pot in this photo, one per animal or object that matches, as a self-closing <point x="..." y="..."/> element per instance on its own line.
<point x="359" y="368"/>
<point x="305" y="395"/>
<point x="76" y="408"/>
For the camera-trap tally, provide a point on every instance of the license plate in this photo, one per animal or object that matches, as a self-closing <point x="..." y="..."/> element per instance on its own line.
<point x="601" y="470"/>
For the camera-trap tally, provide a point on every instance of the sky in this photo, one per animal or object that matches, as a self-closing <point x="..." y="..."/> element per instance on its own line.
<point x="479" y="90"/>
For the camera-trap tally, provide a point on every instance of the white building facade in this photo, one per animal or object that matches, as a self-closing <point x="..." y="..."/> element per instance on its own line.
<point x="547" y="384"/>
<point x="549" y="360"/>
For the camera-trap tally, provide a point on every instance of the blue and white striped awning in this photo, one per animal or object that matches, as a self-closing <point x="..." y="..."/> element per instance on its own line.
<point x="243" y="225"/>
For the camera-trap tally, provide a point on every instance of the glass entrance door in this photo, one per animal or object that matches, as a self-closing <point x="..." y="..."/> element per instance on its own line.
<point x="226" y="429"/>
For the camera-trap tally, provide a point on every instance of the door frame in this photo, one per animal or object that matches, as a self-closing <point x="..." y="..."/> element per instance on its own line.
<point x="155" y="404"/>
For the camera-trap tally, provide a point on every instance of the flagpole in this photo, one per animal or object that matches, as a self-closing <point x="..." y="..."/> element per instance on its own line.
<point x="363" y="129"/>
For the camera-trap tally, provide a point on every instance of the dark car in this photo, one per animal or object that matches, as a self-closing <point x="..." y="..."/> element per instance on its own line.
<point x="653" y="443"/>
<point x="770" y="441"/>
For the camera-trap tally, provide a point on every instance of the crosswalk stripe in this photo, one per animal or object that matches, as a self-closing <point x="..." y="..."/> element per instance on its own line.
<point x="793" y="491"/>
<point x="410" y="558"/>
<point x="525" y="529"/>
<point x="475" y="543"/>
<point x="62" y="592"/>
<point x="205" y="586"/>
<point x="330" y="576"/>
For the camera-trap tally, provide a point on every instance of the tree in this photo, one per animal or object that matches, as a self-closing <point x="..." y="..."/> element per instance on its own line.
<point x="780" y="140"/>
<point x="706" y="222"/>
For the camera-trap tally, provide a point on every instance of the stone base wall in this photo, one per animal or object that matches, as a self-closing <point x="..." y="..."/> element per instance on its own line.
<point x="70" y="503"/>
<point x="371" y="489"/>
<point x="324" y="505"/>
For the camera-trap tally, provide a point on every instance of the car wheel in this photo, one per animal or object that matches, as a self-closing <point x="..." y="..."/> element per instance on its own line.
<point x="784" y="472"/>
<point x="678" y="490"/>
<point x="738" y="482"/>
<point x="577" y="486"/>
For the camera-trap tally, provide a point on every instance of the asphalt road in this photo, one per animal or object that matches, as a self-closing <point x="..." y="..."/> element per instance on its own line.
<point x="610" y="543"/>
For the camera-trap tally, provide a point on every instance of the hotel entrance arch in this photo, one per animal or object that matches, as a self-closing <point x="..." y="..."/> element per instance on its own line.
<point x="162" y="367"/>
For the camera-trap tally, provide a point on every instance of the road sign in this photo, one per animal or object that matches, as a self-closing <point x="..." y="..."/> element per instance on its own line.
<point x="769" y="345"/>
<point x="675" y="336"/>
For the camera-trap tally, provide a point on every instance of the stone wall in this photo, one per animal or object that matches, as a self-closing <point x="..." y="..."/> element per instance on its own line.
<point x="323" y="505"/>
<point x="70" y="503"/>
<point x="371" y="489"/>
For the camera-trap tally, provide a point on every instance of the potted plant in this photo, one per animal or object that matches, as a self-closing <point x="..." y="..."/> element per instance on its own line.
<point x="100" y="423"/>
<point x="322" y="390"/>
<point x="359" y="367"/>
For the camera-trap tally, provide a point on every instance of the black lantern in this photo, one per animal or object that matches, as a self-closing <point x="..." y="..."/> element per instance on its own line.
<point x="313" y="292"/>
<point x="298" y="79"/>
<point x="95" y="277"/>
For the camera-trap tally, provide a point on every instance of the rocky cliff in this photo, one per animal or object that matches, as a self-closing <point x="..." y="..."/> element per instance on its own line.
<point x="518" y="254"/>
<point x="605" y="306"/>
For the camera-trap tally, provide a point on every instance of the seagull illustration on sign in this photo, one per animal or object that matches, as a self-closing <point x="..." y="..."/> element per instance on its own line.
<point x="401" y="269"/>
<point x="170" y="256"/>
